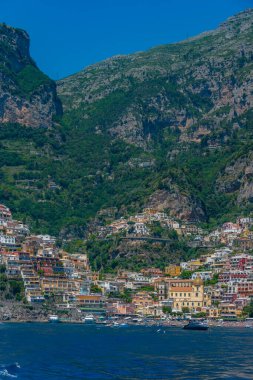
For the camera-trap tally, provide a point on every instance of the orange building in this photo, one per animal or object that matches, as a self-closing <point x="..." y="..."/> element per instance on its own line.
<point x="173" y="270"/>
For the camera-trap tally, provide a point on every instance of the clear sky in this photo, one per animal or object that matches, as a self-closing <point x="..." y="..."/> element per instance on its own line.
<point x="67" y="35"/>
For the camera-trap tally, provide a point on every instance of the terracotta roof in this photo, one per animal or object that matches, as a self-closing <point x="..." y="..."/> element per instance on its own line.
<point x="181" y="289"/>
<point x="88" y="297"/>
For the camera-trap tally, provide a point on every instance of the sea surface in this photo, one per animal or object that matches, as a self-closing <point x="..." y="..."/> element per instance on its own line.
<point x="61" y="351"/>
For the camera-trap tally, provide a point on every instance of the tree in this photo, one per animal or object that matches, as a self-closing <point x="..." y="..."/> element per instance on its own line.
<point x="95" y="289"/>
<point x="200" y="315"/>
<point x="41" y="272"/>
<point x="248" y="310"/>
<point x="126" y="296"/>
<point x="186" y="274"/>
<point x="173" y="235"/>
<point x="2" y="268"/>
<point x="213" y="281"/>
<point x="185" y="310"/>
<point x="167" y="310"/>
<point x="157" y="230"/>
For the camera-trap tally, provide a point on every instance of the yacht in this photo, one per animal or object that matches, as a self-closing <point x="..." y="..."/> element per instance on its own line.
<point x="195" y="324"/>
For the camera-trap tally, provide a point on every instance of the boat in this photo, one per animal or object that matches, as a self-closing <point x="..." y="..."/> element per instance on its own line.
<point x="89" y="319"/>
<point x="194" y="324"/>
<point x="53" y="319"/>
<point x="123" y="325"/>
<point x="103" y="323"/>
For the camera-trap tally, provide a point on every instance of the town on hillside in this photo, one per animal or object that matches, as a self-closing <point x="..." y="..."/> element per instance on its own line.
<point x="38" y="278"/>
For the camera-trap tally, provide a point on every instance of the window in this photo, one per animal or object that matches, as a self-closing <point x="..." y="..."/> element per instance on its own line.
<point x="197" y="294"/>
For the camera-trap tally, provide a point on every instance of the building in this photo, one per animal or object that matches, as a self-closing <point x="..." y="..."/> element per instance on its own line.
<point x="152" y="272"/>
<point x="5" y="213"/>
<point x="142" y="302"/>
<point x="183" y="293"/>
<point x="91" y="303"/>
<point x="208" y="275"/>
<point x="173" y="270"/>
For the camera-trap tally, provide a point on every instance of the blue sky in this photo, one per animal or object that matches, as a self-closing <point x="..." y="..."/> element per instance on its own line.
<point x="67" y="35"/>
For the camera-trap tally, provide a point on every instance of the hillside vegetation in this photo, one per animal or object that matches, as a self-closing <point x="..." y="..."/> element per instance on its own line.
<point x="169" y="128"/>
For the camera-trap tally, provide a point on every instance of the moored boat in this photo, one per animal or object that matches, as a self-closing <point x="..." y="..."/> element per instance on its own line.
<point x="53" y="319"/>
<point x="194" y="324"/>
<point x="89" y="319"/>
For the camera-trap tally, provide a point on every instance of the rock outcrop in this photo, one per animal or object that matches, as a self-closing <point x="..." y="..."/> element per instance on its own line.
<point x="27" y="96"/>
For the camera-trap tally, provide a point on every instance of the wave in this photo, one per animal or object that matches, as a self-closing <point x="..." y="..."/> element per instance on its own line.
<point x="9" y="370"/>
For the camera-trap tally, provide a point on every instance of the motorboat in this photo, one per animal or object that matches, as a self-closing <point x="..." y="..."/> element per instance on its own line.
<point x="89" y="319"/>
<point x="53" y="319"/>
<point x="195" y="324"/>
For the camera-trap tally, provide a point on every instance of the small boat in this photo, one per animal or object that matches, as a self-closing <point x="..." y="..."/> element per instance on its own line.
<point x="194" y="324"/>
<point x="103" y="323"/>
<point x="89" y="319"/>
<point x="53" y="319"/>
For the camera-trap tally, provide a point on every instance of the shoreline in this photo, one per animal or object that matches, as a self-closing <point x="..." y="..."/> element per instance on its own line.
<point x="176" y="324"/>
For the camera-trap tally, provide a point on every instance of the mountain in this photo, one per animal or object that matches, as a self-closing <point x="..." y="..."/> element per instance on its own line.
<point x="27" y="96"/>
<point x="177" y="103"/>
<point x="170" y="128"/>
<point x="193" y="87"/>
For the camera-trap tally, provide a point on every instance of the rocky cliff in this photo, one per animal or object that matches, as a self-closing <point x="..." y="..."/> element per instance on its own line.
<point x="194" y="86"/>
<point x="27" y="96"/>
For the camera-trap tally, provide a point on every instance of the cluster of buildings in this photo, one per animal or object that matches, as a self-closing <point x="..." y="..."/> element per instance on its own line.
<point x="48" y="273"/>
<point x="140" y="225"/>
<point x="219" y="284"/>
<point x="239" y="234"/>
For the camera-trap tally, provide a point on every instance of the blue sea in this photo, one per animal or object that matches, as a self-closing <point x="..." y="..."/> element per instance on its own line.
<point x="61" y="351"/>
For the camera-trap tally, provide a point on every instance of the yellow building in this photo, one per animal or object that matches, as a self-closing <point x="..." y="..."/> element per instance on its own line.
<point x="229" y="310"/>
<point x="173" y="270"/>
<point x="58" y="284"/>
<point x="212" y="312"/>
<point x="194" y="264"/>
<point x="183" y="293"/>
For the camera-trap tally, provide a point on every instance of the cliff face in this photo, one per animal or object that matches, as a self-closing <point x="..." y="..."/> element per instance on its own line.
<point x="194" y="86"/>
<point x="27" y="96"/>
<point x="236" y="178"/>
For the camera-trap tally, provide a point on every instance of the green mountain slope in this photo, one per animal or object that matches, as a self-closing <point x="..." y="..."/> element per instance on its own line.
<point x="186" y="107"/>
<point x="170" y="128"/>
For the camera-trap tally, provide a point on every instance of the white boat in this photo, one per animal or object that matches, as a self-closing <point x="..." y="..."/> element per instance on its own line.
<point x="53" y="319"/>
<point x="89" y="319"/>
